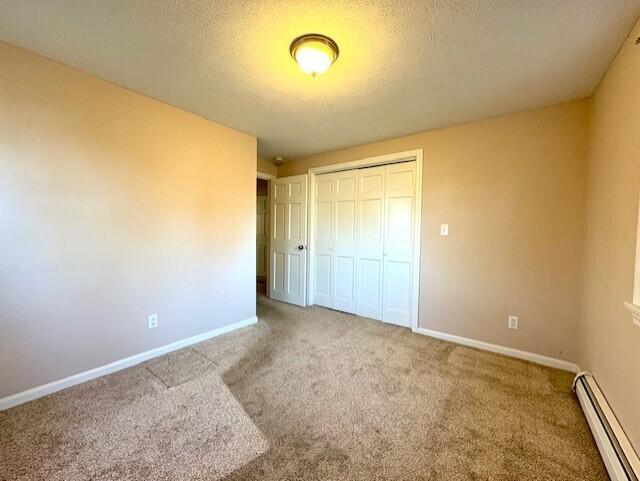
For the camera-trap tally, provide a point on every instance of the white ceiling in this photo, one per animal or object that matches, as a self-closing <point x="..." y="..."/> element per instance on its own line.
<point x="404" y="66"/>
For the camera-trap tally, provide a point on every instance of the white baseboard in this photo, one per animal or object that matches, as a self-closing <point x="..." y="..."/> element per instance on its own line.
<point x="45" y="389"/>
<point x="507" y="351"/>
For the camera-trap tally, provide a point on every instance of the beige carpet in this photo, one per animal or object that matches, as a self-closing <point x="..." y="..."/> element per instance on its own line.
<point x="129" y="426"/>
<point x="319" y="395"/>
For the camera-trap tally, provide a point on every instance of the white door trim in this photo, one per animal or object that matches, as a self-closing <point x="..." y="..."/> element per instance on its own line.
<point x="405" y="156"/>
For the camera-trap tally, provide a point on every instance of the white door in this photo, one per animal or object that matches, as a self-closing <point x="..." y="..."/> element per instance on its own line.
<point x="335" y="240"/>
<point x="323" y="240"/>
<point x="289" y="239"/>
<point x="371" y="198"/>
<point x="345" y="241"/>
<point x="399" y="229"/>
<point x="261" y="236"/>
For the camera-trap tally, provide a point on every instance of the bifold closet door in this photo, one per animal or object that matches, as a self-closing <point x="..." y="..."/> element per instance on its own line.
<point x="323" y="240"/>
<point x="364" y="241"/>
<point x="288" y="267"/>
<point x="335" y="240"/>
<point x="399" y="232"/>
<point x="371" y="198"/>
<point x="345" y="241"/>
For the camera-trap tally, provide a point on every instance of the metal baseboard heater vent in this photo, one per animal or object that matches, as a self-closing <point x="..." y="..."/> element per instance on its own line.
<point x="617" y="453"/>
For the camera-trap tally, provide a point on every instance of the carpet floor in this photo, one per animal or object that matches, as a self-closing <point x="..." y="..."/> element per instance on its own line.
<point x="308" y="394"/>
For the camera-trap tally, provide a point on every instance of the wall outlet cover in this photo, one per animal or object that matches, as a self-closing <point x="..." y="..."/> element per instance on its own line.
<point x="153" y="321"/>
<point x="513" y="322"/>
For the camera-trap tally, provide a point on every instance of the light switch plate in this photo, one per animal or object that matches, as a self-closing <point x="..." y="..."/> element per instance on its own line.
<point x="444" y="229"/>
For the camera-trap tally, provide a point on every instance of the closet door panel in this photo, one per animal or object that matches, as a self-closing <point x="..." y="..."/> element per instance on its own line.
<point x="323" y="232"/>
<point x="323" y="280"/>
<point x="345" y="241"/>
<point x="370" y="288"/>
<point x="344" y="283"/>
<point x="371" y="187"/>
<point x="398" y="242"/>
<point x="397" y="276"/>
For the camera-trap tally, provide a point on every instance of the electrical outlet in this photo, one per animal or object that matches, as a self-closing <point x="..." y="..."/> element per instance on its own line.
<point x="153" y="321"/>
<point x="513" y="322"/>
<point x="444" y="229"/>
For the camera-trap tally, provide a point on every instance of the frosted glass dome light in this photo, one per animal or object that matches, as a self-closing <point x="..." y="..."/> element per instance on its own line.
<point x="314" y="53"/>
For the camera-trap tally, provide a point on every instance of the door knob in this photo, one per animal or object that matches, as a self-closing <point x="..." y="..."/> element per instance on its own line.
<point x="300" y="247"/>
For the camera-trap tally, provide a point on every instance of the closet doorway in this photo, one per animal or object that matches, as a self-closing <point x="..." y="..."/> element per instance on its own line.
<point x="365" y="237"/>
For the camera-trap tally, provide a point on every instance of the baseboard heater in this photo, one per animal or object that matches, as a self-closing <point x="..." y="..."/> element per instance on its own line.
<point x="615" y="448"/>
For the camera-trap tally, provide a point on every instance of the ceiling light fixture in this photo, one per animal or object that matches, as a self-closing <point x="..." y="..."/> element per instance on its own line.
<point x="314" y="53"/>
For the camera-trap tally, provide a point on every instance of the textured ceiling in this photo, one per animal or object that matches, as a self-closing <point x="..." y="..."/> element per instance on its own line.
<point x="404" y="66"/>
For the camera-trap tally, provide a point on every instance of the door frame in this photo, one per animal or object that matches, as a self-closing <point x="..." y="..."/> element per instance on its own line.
<point x="266" y="230"/>
<point x="268" y="177"/>
<point x="405" y="156"/>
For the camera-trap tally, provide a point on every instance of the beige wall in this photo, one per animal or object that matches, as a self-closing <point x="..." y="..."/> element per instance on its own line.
<point x="610" y="343"/>
<point x="266" y="167"/>
<point x="113" y="206"/>
<point x="512" y="191"/>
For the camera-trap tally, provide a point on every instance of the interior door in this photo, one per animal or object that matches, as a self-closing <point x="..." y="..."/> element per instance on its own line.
<point x="345" y="240"/>
<point x="323" y="240"/>
<point x="399" y="229"/>
<point x="288" y="251"/>
<point x="371" y="198"/>
<point x="261" y="236"/>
